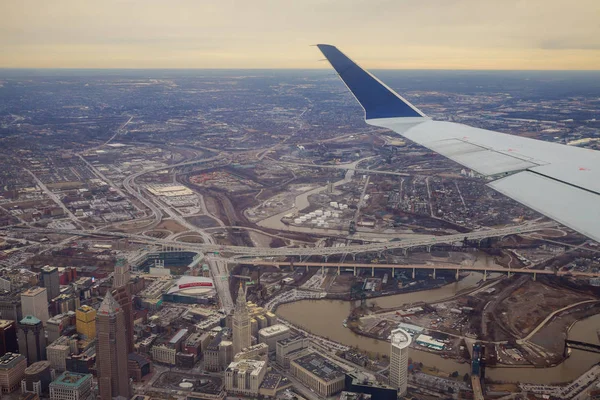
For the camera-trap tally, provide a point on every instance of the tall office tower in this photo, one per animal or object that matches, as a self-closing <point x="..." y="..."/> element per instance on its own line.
<point x="10" y="307"/>
<point x="8" y="337"/>
<point x="122" y="293"/>
<point x="51" y="281"/>
<point x="121" y="275"/>
<point x="86" y="322"/>
<point x="35" y="302"/>
<point x="32" y="340"/>
<point x="111" y="350"/>
<point x="399" y="360"/>
<point x="241" y="323"/>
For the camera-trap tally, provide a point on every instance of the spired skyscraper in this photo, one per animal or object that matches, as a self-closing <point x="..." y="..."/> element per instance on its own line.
<point x="122" y="293"/>
<point x="241" y="323"/>
<point x="111" y="350"/>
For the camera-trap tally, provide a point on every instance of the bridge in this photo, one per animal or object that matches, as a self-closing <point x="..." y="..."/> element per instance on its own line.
<point x="406" y="244"/>
<point x="574" y="344"/>
<point x="457" y="268"/>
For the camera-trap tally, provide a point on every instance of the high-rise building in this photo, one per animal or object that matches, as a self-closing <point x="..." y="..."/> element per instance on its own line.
<point x="241" y="323"/>
<point x="111" y="350"/>
<point x="10" y="307"/>
<point x="58" y="352"/>
<point x="12" y="370"/>
<point x="122" y="293"/>
<point x="51" y="281"/>
<point x="37" y="378"/>
<point x="32" y="340"/>
<point x="121" y="275"/>
<point x="35" y="302"/>
<point x="86" y="322"/>
<point x="400" y="340"/>
<point x="72" y="386"/>
<point x="8" y="337"/>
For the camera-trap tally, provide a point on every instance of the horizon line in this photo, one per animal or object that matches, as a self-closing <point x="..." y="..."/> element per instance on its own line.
<point x="280" y="68"/>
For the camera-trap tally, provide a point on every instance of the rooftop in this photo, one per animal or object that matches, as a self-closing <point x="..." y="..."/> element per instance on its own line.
<point x="251" y="366"/>
<point x="273" y="330"/>
<point x="9" y="360"/>
<point x="320" y="366"/>
<point x="71" y="379"/>
<point x="34" y="291"/>
<point x="5" y="323"/>
<point x="178" y="336"/>
<point x="30" y="320"/>
<point x="400" y="338"/>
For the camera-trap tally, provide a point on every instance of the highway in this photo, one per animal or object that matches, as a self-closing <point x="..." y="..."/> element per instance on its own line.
<point x="457" y="268"/>
<point x="305" y="251"/>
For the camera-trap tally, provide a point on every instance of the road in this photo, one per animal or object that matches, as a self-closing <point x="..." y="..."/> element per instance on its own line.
<point x="54" y="198"/>
<point x="423" y="241"/>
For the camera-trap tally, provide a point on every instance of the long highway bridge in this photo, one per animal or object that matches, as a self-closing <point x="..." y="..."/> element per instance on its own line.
<point x="457" y="268"/>
<point x="426" y="242"/>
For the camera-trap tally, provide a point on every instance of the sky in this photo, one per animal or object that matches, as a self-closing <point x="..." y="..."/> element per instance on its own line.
<point x="390" y="34"/>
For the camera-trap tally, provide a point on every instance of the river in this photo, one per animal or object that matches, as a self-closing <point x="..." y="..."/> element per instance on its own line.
<point x="325" y="317"/>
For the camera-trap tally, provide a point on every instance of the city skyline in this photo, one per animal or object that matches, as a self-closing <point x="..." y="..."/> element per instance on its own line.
<point x="462" y="34"/>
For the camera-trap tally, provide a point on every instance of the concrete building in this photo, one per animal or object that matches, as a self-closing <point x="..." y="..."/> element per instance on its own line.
<point x="122" y="273"/>
<point x="12" y="370"/>
<point x="319" y="373"/>
<point x="241" y="323"/>
<point x="58" y="352"/>
<point x="50" y="280"/>
<point x="359" y="382"/>
<point x="10" y="307"/>
<point x="288" y="347"/>
<point x="163" y="353"/>
<point x="111" y="350"/>
<point x="32" y="340"/>
<point x="86" y="322"/>
<point x="225" y="353"/>
<point x="400" y="340"/>
<point x="8" y="337"/>
<point x="55" y="326"/>
<point x="35" y="302"/>
<point x="244" y="377"/>
<point x="272" y="334"/>
<point x="211" y="354"/>
<point x="37" y="378"/>
<point x="258" y="352"/>
<point x="72" y="386"/>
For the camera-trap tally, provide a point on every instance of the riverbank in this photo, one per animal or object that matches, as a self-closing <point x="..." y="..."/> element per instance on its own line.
<point x="325" y="317"/>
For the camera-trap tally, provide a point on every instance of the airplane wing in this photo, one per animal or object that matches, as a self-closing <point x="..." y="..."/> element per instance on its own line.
<point x="559" y="181"/>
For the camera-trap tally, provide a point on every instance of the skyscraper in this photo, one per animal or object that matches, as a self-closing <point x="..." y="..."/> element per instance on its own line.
<point x="32" y="341"/>
<point x="122" y="293"/>
<point x="241" y="323"/>
<point x="35" y="302"/>
<point x="399" y="360"/>
<point x="51" y="281"/>
<point x="111" y="350"/>
<point x="8" y="337"/>
<point x="121" y="275"/>
<point x="86" y="322"/>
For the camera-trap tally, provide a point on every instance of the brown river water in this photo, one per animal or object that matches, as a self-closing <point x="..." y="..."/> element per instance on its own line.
<point x="325" y="318"/>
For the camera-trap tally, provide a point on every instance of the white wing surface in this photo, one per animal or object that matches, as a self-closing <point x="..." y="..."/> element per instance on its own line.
<point x="561" y="182"/>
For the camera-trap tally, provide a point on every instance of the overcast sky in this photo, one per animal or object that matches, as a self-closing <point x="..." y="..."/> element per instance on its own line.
<point x="447" y="34"/>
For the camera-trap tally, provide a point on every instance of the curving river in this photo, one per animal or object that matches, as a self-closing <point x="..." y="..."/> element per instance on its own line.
<point x="325" y="317"/>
